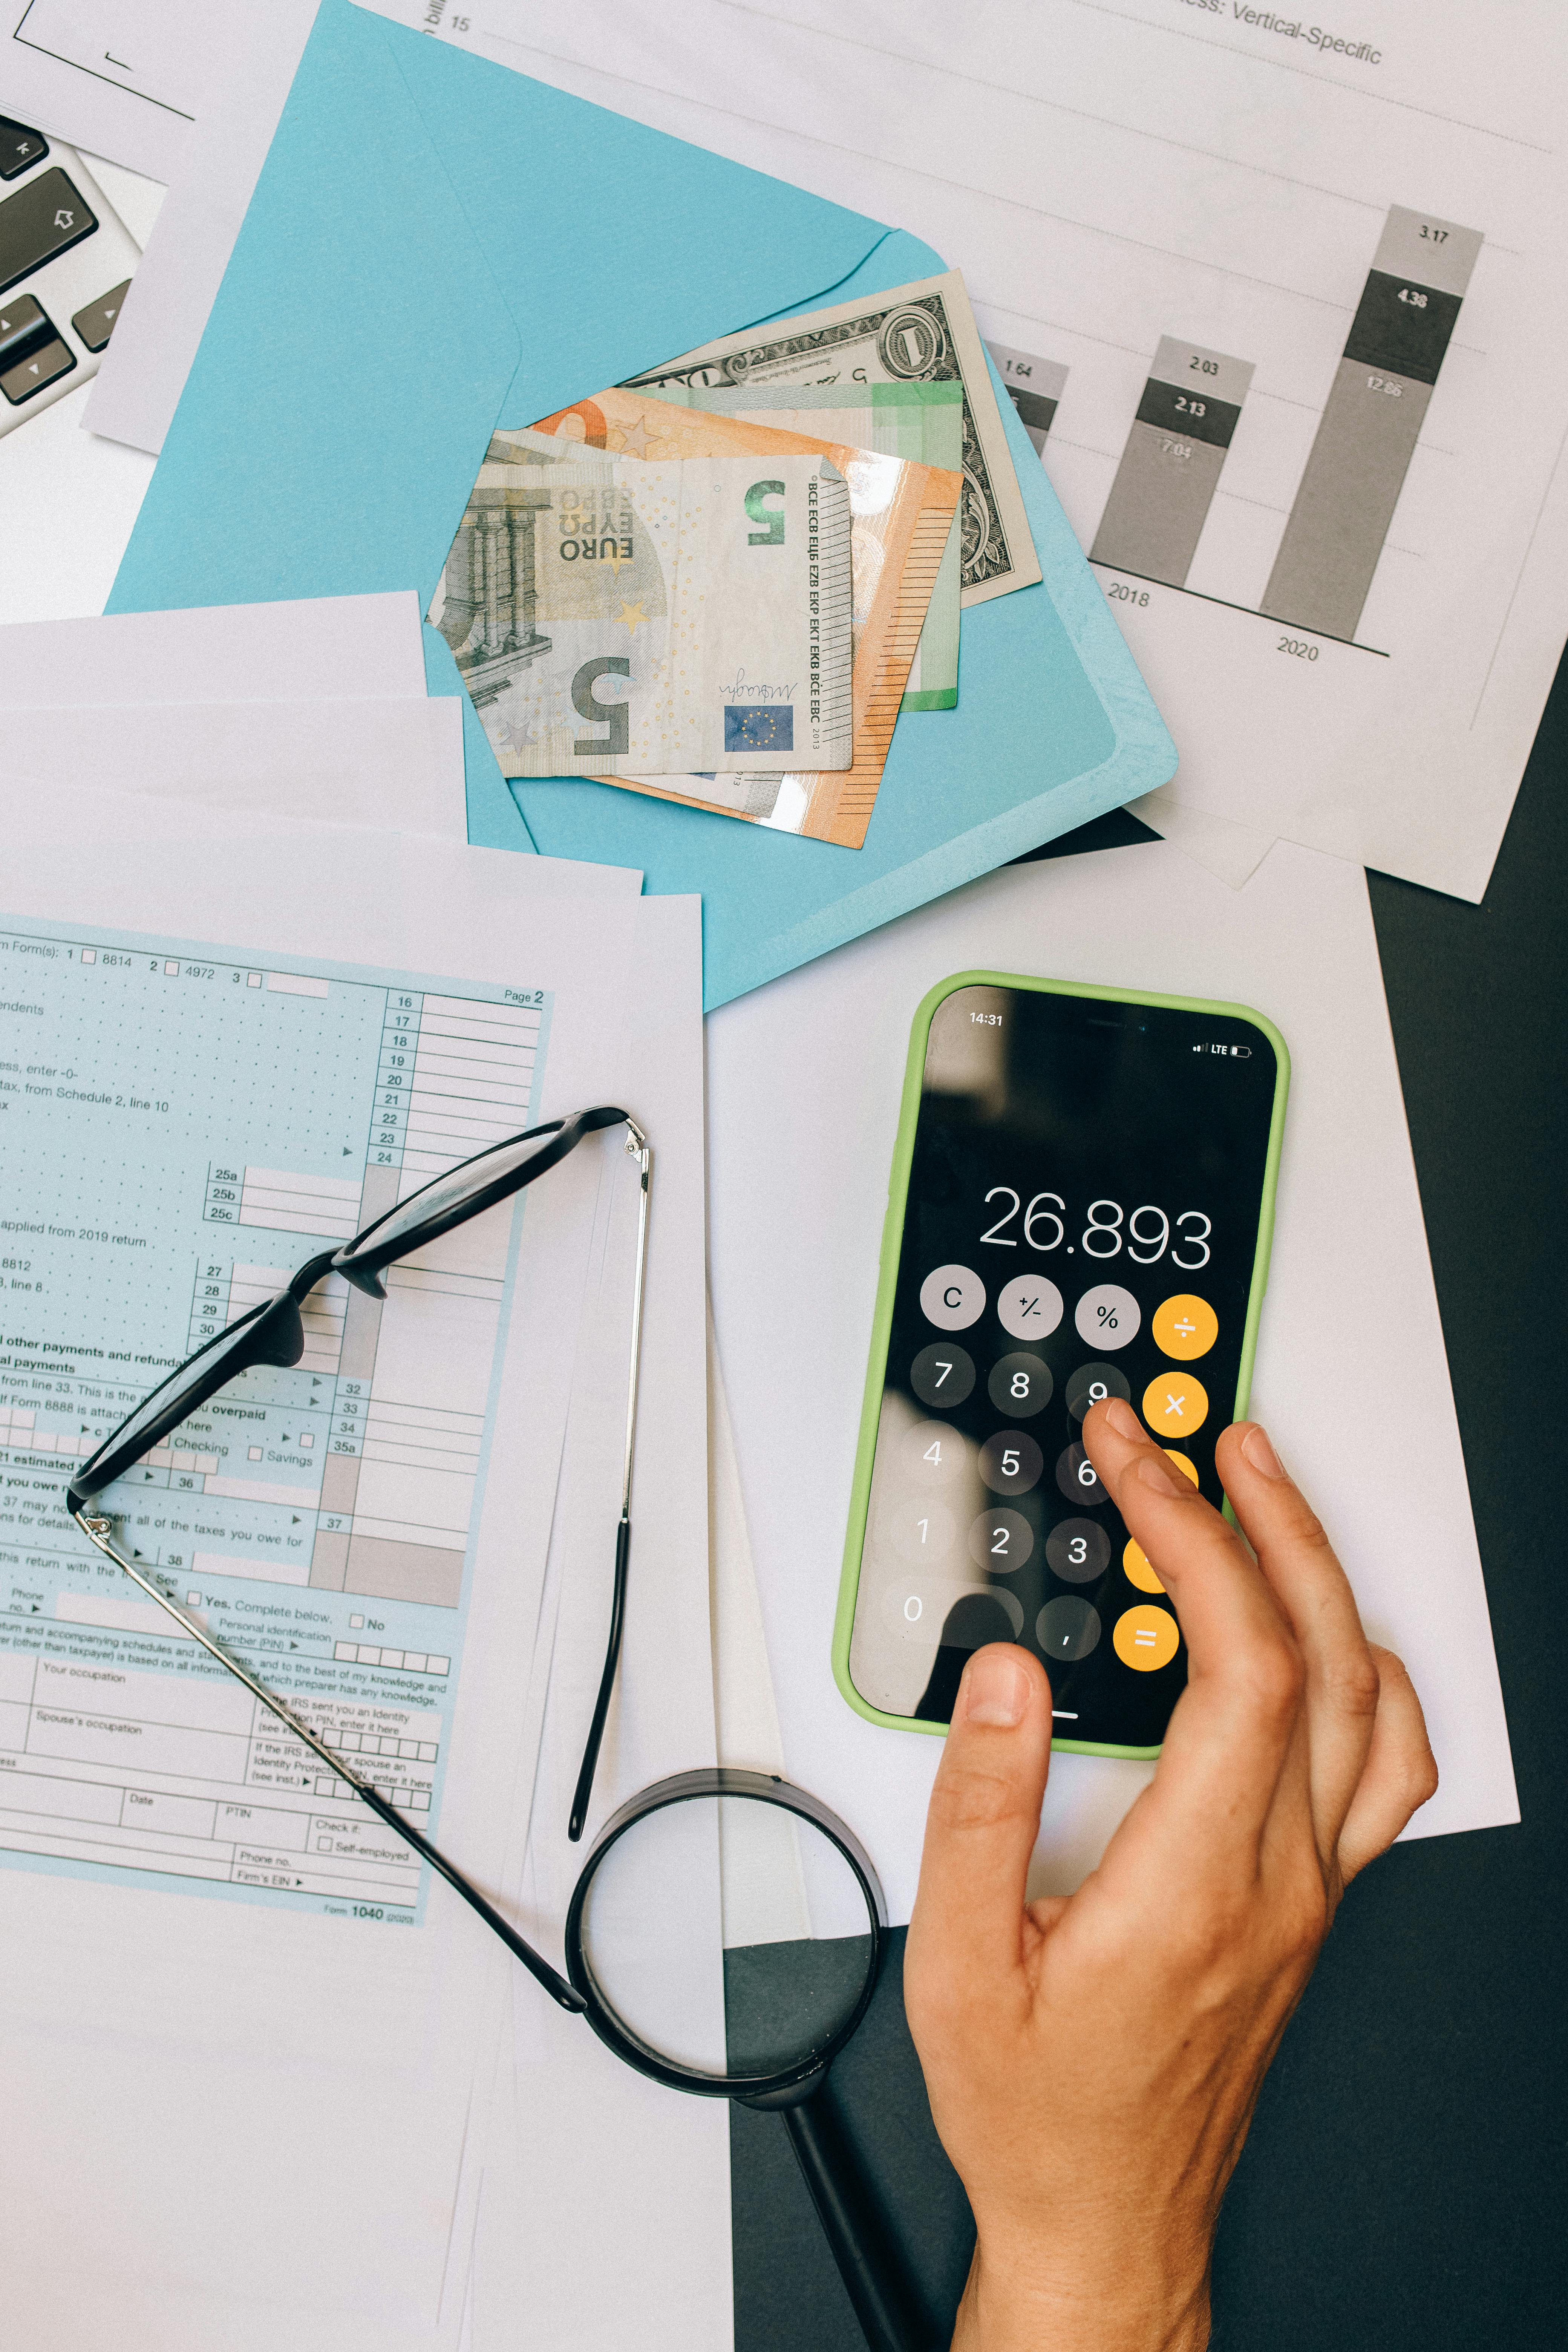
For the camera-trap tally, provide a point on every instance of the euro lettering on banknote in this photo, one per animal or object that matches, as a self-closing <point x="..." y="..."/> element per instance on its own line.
<point x="903" y="518"/>
<point x="919" y="333"/>
<point x="609" y="619"/>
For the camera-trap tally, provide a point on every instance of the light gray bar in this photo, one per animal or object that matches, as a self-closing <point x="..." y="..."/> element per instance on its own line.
<point x="1192" y="368"/>
<point x="1436" y="253"/>
<point x="1158" y="505"/>
<point x="1341" y="512"/>
<point x="1046" y="379"/>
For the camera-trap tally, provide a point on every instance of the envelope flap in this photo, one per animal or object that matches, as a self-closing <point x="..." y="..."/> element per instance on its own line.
<point x="616" y="245"/>
<point x="357" y="354"/>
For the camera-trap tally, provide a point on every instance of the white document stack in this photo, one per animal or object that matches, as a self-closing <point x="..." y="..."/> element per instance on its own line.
<point x="366" y="2125"/>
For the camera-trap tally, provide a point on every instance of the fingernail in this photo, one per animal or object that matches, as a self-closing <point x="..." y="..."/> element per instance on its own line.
<point x="1120" y="1417"/>
<point x="1156" y="1473"/>
<point x="1255" y="1448"/>
<point x="995" y="1689"/>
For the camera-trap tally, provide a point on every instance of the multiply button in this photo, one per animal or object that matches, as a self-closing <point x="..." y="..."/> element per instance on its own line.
<point x="952" y="1297"/>
<point x="1185" y="1327"/>
<point x="1175" y="1404"/>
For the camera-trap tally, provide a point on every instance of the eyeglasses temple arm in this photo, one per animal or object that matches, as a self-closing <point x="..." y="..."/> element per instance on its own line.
<point x="638" y="1146"/>
<point x="100" y="1531"/>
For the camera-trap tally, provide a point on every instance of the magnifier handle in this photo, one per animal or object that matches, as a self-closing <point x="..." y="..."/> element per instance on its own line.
<point x="853" y="2228"/>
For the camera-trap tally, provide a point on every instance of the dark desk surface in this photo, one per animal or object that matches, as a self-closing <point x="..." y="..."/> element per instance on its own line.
<point x="1406" y="2186"/>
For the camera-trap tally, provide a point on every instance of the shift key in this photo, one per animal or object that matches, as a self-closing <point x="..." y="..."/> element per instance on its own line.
<point x="46" y="217"/>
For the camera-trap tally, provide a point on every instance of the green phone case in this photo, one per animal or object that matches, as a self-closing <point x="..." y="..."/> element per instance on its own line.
<point x="887" y="1276"/>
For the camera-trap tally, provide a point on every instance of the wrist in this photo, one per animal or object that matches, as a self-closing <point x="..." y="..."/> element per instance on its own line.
<point x="1015" y="2303"/>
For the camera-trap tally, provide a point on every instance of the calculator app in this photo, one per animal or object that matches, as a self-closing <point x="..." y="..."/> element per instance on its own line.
<point x="1081" y="1221"/>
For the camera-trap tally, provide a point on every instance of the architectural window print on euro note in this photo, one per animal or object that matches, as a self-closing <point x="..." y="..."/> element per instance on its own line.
<point x="183" y="1128"/>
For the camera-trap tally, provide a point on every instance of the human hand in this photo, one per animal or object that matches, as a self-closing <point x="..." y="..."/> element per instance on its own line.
<point x="1093" y="2062"/>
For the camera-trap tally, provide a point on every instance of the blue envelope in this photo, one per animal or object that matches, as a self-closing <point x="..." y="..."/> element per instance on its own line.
<point x="438" y="245"/>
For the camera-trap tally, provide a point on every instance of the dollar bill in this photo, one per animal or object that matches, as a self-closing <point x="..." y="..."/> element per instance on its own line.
<point x="614" y="618"/>
<point x="924" y="333"/>
<point x="923" y="421"/>
<point x="902" y="517"/>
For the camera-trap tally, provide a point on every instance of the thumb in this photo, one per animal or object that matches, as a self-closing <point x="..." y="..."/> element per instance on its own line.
<point x="983" y="1818"/>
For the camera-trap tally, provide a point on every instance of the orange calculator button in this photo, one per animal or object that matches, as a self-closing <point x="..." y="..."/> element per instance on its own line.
<point x="1185" y="1327"/>
<point x="1146" y="1638"/>
<point x="1136" y="1568"/>
<point x="1175" y="1404"/>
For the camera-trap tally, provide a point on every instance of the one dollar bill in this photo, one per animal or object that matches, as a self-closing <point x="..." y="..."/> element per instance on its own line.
<point x="617" y="619"/>
<point x="919" y="333"/>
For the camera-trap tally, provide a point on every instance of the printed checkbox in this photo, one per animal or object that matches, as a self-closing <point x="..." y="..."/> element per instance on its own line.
<point x="255" y="1452"/>
<point x="356" y="1620"/>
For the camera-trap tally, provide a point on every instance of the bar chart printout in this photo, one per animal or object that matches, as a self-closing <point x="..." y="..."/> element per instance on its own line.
<point x="1340" y="519"/>
<point x="1171" y="466"/>
<point x="1035" y="386"/>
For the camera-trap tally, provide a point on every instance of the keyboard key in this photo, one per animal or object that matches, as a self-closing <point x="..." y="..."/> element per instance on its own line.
<point x="20" y="382"/>
<point x="96" y="323"/>
<point x="21" y="321"/>
<point x="46" y="217"/>
<point x="20" y="148"/>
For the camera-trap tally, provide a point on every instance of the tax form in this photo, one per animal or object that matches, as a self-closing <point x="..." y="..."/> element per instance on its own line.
<point x="272" y="2107"/>
<point x="180" y="1130"/>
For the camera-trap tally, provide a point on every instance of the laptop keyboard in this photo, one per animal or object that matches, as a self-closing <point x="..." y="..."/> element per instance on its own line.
<point x="65" y="262"/>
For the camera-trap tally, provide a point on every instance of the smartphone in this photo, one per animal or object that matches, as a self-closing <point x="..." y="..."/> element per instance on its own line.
<point x="1082" y="1206"/>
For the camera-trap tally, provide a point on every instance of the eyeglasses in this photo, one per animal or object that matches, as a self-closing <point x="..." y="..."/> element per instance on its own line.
<point x="644" y="1937"/>
<point x="274" y="1333"/>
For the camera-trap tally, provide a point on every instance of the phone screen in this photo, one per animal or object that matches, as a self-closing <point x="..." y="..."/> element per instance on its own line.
<point x="1082" y="1221"/>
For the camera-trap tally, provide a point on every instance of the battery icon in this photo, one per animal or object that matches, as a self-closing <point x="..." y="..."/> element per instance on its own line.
<point x="1242" y="1053"/>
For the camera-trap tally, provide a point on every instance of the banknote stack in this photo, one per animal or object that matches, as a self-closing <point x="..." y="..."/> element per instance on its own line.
<point x="726" y="581"/>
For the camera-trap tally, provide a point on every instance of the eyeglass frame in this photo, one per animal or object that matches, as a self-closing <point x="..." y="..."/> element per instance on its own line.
<point x="279" y="1328"/>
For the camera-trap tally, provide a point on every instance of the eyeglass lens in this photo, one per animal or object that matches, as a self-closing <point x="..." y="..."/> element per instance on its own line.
<point x="449" y="1192"/>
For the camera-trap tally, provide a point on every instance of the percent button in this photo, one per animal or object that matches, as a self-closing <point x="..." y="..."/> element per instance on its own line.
<point x="1108" y="1315"/>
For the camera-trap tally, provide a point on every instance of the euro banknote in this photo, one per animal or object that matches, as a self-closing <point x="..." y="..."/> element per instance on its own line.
<point x="920" y="333"/>
<point x="689" y="613"/>
<point x="924" y="421"/>
<point x="902" y="514"/>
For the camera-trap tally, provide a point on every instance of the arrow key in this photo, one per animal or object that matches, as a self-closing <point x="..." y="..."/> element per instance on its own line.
<point x="48" y="361"/>
<point x="96" y="323"/>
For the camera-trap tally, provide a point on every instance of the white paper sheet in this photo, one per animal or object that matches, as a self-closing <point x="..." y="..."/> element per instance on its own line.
<point x="578" y="2133"/>
<point x="398" y="765"/>
<point x="310" y="2093"/>
<point x="1109" y="177"/>
<point x="1350" y="1324"/>
<point x="139" y="383"/>
<point x="113" y="76"/>
<point x="303" y="649"/>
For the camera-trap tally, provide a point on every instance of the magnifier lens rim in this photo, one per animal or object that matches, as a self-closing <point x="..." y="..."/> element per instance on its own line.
<point x="687" y="1788"/>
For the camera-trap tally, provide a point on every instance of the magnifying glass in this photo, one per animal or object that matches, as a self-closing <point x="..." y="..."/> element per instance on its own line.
<point x="725" y="1939"/>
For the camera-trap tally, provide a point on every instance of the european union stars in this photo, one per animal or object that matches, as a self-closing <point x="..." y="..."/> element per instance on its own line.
<point x="749" y="727"/>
